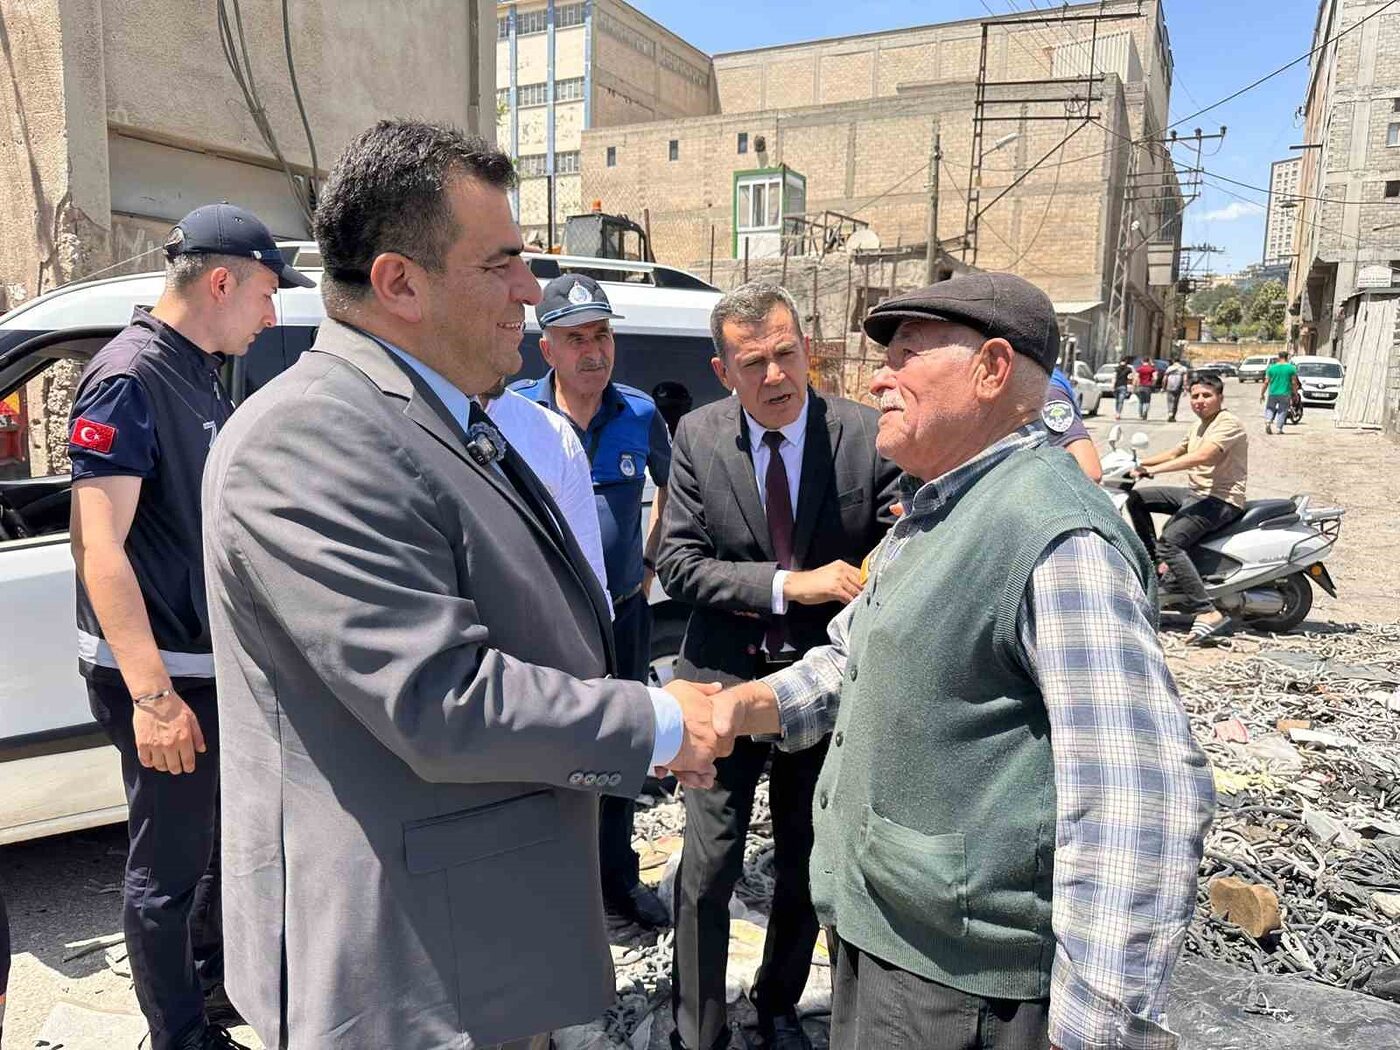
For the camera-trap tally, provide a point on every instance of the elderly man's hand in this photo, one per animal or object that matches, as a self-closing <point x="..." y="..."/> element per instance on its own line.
<point x="694" y="764"/>
<point x="750" y="709"/>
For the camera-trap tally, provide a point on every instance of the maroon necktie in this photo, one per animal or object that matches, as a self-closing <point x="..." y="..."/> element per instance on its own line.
<point x="778" y="506"/>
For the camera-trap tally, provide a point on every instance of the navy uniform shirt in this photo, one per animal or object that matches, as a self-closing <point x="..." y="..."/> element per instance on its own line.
<point x="1061" y="412"/>
<point x="626" y="437"/>
<point x="148" y="406"/>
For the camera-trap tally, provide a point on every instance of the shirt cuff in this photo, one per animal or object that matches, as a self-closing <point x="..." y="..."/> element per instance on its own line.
<point x="779" y="598"/>
<point x="670" y="727"/>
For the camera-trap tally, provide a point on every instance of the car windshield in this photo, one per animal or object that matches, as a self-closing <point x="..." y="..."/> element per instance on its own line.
<point x="1320" y="369"/>
<point x="1257" y="361"/>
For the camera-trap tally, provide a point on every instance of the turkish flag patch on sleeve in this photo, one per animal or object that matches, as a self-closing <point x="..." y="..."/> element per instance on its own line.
<point x="93" y="435"/>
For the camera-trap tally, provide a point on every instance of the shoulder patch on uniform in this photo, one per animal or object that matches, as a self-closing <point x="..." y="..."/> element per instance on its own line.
<point x="627" y="464"/>
<point x="1058" y="416"/>
<point x="90" y="434"/>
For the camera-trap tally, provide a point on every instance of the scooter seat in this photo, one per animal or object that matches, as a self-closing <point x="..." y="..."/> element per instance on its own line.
<point x="1256" y="512"/>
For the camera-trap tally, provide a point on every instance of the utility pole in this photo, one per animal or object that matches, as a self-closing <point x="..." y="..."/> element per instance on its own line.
<point x="934" y="161"/>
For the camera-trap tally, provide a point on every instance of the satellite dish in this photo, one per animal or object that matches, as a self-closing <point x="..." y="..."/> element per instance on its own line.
<point x="866" y="240"/>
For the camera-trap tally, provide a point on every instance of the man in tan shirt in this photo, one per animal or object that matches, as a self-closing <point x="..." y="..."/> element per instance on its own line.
<point x="1215" y="456"/>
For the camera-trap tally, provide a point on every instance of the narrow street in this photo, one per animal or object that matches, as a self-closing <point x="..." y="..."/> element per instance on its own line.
<point x="64" y="890"/>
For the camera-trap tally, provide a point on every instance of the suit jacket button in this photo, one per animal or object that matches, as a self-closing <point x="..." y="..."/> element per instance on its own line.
<point x="823" y="800"/>
<point x="589" y="779"/>
<point x="576" y="777"/>
<point x="839" y="738"/>
<point x="614" y="780"/>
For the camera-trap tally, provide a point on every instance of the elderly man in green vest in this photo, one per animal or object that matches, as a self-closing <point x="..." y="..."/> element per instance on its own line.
<point x="1012" y="811"/>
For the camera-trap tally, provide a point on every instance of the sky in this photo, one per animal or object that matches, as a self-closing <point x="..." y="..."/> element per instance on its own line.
<point x="1218" y="46"/>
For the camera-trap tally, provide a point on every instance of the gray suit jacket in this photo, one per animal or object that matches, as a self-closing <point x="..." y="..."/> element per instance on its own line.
<point x="716" y="554"/>
<point x="415" y="723"/>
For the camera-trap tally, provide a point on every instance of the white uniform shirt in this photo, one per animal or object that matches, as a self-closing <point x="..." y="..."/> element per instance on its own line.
<point x="546" y="441"/>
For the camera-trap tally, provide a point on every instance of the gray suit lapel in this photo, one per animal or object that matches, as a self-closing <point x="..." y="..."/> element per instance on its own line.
<point x="736" y="458"/>
<point x="428" y="411"/>
<point x="818" y="457"/>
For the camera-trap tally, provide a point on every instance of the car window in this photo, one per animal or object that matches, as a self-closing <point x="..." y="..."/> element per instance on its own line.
<point x="1320" y="369"/>
<point x="34" y="467"/>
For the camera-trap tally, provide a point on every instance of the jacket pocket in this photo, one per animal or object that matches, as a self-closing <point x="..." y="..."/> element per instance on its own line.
<point x="484" y="831"/>
<point x="921" y="878"/>
<point x="850" y="499"/>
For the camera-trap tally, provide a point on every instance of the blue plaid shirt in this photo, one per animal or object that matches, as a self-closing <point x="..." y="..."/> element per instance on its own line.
<point x="1134" y="793"/>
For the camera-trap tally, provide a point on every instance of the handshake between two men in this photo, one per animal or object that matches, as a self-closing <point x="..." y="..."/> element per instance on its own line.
<point x="715" y="716"/>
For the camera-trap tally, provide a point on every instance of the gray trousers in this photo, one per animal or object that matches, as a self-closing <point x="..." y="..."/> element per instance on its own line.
<point x="534" y="1042"/>
<point x="877" y="1006"/>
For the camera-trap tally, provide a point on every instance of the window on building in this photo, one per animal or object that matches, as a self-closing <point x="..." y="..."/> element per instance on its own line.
<point x="1392" y="135"/>
<point x="531" y="95"/>
<point x="503" y="98"/>
<point x="567" y="15"/>
<point x="743" y="142"/>
<point x="569" y="90"/>
<point x="566" y="163"/>
<point x="758" y="203"/>
<point x="1392" y="188"/>
<point x="612" y="156"/>
<point x="503" y="26"/>
<point x="673" y="150"/>
<point x="532" y="165"/>
<point x="1395" y="105"/>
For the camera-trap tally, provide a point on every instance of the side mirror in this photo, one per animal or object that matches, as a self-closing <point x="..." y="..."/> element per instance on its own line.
<point x="1115" y="435"/>
<point x="1141" y="440"/>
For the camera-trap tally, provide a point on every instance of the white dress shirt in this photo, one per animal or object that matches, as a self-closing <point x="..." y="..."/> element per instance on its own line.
<point x="670" y="722"/>
<point x="794" y="440"/>
<point x="547" y="442"/>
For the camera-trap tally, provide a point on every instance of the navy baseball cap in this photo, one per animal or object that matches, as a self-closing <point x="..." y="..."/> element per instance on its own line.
<point x="999" y="305"/>
<point x="572" y="299"/>
<point x="226" y="229"/>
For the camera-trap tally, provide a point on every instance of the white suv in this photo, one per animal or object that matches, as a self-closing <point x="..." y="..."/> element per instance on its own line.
<point x="1320" y="378"/>
<point x="57" y="771"/>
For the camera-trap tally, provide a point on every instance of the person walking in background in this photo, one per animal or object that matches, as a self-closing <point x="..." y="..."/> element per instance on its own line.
<point x="1146" y="374"/>
<point x="1122" y="385"/>
<point x="1280" y="384"/>
<point x="1174" y="385"/>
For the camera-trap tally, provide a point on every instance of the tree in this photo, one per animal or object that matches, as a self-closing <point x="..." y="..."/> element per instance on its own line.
<point x="1228" y="313"/>
<point x="1266" y="309"/>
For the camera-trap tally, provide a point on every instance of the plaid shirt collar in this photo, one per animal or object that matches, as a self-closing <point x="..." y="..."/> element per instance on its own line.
<point x="923" y="498"/>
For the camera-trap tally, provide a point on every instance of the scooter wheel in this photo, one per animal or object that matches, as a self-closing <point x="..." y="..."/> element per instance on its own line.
<point x="1297" y="595"/>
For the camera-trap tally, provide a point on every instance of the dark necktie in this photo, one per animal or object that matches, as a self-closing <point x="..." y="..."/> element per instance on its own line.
<point x="778" y="506"/>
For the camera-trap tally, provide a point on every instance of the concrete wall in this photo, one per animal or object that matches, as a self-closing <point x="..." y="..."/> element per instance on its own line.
<point x="874" y="65"/>
<point x="122" y="116"/>
<point x="865" y="159"/>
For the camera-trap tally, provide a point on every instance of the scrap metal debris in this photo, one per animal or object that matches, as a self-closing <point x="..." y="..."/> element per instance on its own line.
<point x="1305" y="815"/>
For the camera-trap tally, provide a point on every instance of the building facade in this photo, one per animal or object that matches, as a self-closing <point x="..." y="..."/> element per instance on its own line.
<point x="1279" y="223"/>
<point x="816" y="140"/>
<point x="563" y="67"/>
<point x="107" y="141"/>
<point x="1348" y="221"/>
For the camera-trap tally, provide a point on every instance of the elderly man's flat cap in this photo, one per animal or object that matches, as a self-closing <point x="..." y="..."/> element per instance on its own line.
<point x="999" y="305"/>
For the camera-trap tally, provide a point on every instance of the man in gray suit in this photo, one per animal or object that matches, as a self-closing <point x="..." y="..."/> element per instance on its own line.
<point x="414" y="659"/>
<point x="777" y="496"/>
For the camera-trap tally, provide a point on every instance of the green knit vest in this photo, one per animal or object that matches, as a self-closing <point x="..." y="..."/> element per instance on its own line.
<point x="935" y="810"/>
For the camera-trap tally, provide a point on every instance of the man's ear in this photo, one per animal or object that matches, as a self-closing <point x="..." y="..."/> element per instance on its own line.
<point x="721" y="373"/>
<point x="399" y="285"/>
<point x="221" y="283"/>
<point x="997" y="362"/>
<point x="546" y="351"/>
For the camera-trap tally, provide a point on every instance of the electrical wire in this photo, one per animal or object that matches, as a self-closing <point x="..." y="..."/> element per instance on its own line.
<point x="301" y="106"/>
<point x="1283" y="68"/>
<point x="234" y="42"/>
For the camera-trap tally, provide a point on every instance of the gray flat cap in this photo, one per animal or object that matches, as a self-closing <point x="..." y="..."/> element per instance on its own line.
<point x="999" y="305"/>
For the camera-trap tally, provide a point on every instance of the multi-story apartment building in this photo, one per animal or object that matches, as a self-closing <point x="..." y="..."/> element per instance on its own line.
<point x="562" y="67"/>
<point x="1281" y="221"/>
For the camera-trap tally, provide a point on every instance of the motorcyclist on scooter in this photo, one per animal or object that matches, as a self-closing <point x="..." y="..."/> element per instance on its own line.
<point x="1215" y="456"/>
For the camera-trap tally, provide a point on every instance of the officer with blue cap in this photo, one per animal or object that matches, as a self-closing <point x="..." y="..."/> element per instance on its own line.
<point x="144" y="416"/>
<point x="625" y="436"/>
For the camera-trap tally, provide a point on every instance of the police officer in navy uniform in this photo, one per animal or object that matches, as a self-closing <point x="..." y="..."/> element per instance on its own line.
<point x="144" y="417"/>
<point x="624" y="436"/>
<point x="1065" y="425"/>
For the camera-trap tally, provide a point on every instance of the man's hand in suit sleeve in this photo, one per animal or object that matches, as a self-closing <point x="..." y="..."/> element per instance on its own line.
<point x="694" y="764"/>
<point x="837" y="581"/>
<point x="750" y="709"/>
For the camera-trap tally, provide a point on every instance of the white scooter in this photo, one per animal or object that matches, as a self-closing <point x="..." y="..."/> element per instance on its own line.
<point x="1261" y="569"/>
